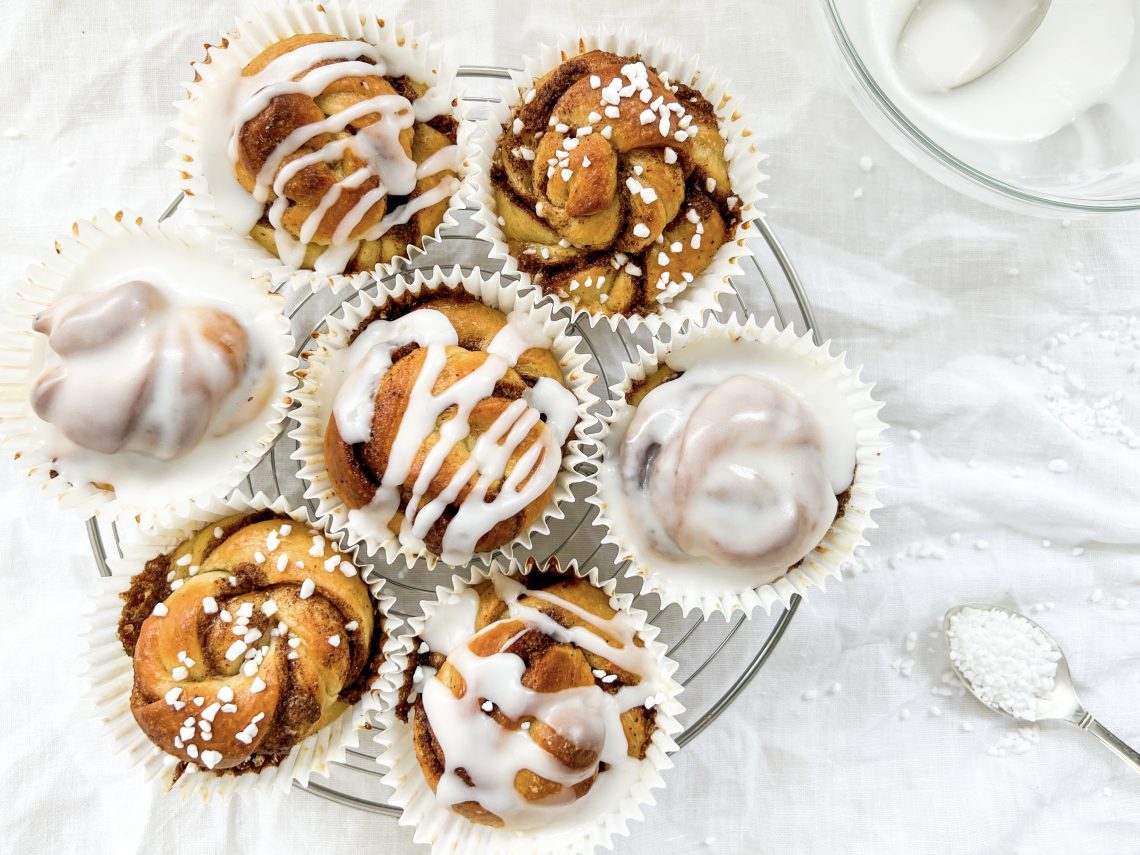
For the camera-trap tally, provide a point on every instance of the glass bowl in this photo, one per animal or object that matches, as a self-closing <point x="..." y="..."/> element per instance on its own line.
<point x="1042" y="178"/>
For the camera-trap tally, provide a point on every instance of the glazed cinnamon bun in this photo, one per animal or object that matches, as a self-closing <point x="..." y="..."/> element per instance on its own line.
<point x="532" y="700"/>
<point x="730" y="462"/>
<point x="611" y="184"/>
<point x="448" y="425"/>
<point x="349" y="158"/>
<point x="136" y="371"/>
<point x="156" y="368"/>
<point x="246" y="638"/>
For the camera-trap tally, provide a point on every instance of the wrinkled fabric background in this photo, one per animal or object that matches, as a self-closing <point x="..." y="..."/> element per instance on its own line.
<point x="936" y="295"/>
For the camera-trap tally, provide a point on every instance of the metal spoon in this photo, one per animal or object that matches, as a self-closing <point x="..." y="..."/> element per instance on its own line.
<point x="946" y="44"/>
<point x="1062" y="704"/>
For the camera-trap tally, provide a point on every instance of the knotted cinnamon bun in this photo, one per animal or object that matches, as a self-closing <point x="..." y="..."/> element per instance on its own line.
<point x="532" y="700"/>
<point x="732" y="461"/>
<point x="137" y="371"/>
<point x="247" y="638"/>
<point x="448" y="426"/>
<point x="611" y="184"/>
<point x="349" y="157"/>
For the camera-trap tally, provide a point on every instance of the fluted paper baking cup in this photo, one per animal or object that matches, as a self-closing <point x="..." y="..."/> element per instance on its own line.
<point x="202" y="163"/>
<point x="444" y="829"/>
<point x="110" y="672"/>
<point x="846" y="535"/>
<point x="116" y="248"/>
<point x="704" y="293"/>
<point x="314" y="408"/>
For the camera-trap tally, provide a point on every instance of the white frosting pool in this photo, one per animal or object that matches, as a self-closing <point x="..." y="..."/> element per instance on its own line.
<point x="725" y="477"/>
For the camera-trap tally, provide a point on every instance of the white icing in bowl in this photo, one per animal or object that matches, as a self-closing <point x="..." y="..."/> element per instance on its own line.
<point x="1070" y="63"/>
<point x="1053" y="128"/>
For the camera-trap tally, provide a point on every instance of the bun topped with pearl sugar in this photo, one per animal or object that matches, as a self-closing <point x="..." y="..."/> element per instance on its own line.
<point x="246" y="639"/>
<point x="611" y="184"/>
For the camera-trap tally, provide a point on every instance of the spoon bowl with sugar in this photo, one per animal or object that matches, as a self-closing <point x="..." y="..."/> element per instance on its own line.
<point x="1016" y="668"/>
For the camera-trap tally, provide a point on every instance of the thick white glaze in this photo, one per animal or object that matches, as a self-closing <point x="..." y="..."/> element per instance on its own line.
<point x="140" y="374"/>
<point x="354" y="375"/>
<point x="378" y="145"/>
<point x="188" y="279"/>
<point x="492" y="755"/>
<point x="728" y="475"/>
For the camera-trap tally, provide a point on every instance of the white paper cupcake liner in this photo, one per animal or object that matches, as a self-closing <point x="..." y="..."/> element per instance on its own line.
<point x="846" y="535"/>
<point x="447" y="831"/>
<point x="23" y="351"/>
<point x="201" y="138"/>
<point x="704" y="293"/>
<point x="110" y="672"/>
<point x="311" y="417"/>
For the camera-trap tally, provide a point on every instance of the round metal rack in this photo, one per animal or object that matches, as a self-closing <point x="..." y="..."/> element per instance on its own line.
<point x="717" y="658"/>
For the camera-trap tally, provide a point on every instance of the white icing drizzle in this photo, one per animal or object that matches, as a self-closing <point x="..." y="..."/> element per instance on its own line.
<point x="367" y="360"/>
<point x="735" y="464"/>
<point x="313" y="221"/>
<point x="447" y="158"/>
<point x="378" y="145"/>
<point x="588" y="716"/>
<point x="452" y="622"/>
<point x="371" y="354"/>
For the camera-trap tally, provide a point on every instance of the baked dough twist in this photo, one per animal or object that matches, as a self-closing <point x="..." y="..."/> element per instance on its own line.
<point x="556" y="678"/>
<point x="340" y="176"/>
<point x="612" y="185"/>
<point x="246" y="639"/>
<point x="402" y="408"/>
<point x="140" y="373"/>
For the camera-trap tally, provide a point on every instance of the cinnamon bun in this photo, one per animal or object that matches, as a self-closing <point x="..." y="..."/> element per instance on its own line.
<point x="136" y="372"/>
<point x="159" y="366"/>
<point x="447" y="425"/>
<point x="729" y="463"/>
<point x="611" y="184"/>
<point x="348" y="159"/>
<point x="248" y="637"/>
<point x="532" y="700"/>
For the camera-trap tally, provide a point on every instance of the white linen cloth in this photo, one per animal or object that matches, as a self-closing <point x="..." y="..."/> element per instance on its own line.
<point x="935" y="294"/>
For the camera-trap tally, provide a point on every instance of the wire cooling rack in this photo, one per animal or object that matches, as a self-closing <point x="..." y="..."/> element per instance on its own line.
<point x="717" y="659"/>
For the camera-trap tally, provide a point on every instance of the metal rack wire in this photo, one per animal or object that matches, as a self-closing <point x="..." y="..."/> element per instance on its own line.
<point x="717" y="659"/>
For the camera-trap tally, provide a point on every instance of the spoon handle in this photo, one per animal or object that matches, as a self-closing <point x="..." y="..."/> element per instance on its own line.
<point x="1115" y="744"/>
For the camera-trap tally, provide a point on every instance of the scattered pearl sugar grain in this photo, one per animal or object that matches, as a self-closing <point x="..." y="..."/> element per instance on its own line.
<point x="1008" y="661"/>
